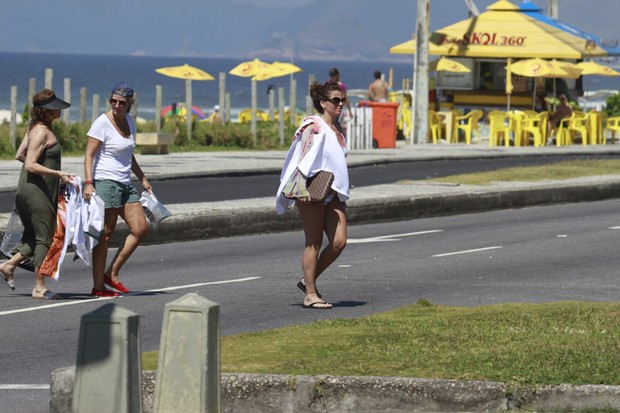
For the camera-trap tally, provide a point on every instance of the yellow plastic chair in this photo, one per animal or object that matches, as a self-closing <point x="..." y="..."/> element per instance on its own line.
<point x="613" y="125"/>
<point x="595" y="127"/>
<point x="516" y="126"/>
<point x="499" y="127"/>
<point x="536" y="126"/>
<point x="562" y="133"/>
<point x="578" y="124"/>
<point x="469" y="124"/>
<point x="245" y="115"/>
<point x="434" y="126"/>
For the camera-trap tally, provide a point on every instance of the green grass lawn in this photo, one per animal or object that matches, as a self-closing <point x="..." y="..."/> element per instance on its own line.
<point x="558" y="170"/>
<point x="565" y="342"/>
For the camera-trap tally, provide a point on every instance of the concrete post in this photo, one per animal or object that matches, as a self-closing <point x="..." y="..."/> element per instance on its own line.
<point x="420" y="104"/>
<point x="222" y="97"/>
<point x="188" y="108"/>
<point x="109" y="369"/>
<point x="83" y="105"/>
<point x="67" y="98"/>
<point x="552" y="9"/>
<point x="49" y="77"/>
<point x="95" y="113"/>
<point x="32" y="84"/>
<point x="188" y="370"/>
<point x="272" y="104"/>
<point x="293" y="101"/>
<point x="227" y="106"/>
<point x="13" y="126"/>
<point x="281" y="111"/>
<point x="158" y="99"/>
<point x="309" y="104"/>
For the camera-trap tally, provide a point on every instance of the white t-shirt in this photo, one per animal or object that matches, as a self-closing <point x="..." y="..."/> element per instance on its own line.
<point x="113" y="159"/>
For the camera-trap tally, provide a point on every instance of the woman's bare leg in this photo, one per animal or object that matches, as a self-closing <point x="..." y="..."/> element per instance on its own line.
<point x="7" y="268"/>
<point x="335" y="227"/>
<point x="100" y="252"/>
<point x="133" y="214"/>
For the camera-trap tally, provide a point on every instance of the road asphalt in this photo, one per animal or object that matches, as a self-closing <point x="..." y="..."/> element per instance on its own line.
<point x="396" y="201"/>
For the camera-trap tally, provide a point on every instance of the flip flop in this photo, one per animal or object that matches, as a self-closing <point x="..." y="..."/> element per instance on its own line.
<point x="49" y="295"/>
<point x="302" y="287"/>
<point x="318" y="305"/>
<point x="10" y="283"/>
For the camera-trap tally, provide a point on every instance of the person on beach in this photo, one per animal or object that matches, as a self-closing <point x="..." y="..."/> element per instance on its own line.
<point x="108" y="164"/>
<point x="334" y="78"/>
<point x="37" y="191"/>
<point x="378" y="89"/>
<point x="318" y="145"/>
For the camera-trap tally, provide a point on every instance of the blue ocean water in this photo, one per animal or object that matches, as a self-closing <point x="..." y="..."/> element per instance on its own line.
<point x="99" y="73"/>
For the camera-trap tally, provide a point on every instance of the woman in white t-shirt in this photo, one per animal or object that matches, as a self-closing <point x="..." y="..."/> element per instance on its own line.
<point x="108" y="164"/>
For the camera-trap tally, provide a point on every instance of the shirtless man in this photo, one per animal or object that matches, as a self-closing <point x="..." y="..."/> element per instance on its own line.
<point x="377" y="91"/>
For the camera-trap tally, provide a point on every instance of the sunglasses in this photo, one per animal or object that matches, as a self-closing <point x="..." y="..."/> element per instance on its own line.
<point x="337" y="101"/>
<point x="119" y="102"/>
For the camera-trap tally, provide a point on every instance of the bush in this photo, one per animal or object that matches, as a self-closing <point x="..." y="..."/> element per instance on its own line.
<point x="613" y="105"/>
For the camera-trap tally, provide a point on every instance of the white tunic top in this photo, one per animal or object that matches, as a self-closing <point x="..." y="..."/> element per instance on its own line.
<point x="325" y="154"/>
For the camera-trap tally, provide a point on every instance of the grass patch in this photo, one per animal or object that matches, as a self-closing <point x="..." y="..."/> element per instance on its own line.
<point x="558" y="170"/>
<point x="567" y="342"/>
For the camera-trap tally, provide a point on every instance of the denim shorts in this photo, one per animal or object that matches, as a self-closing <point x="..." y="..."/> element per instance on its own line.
<point x="116" y="194"/>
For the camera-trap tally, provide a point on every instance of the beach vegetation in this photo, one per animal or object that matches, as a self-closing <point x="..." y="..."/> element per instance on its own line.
<point x="205" y="136"/>
<point x="526" y="343"/>
<point x="613" y="105"/>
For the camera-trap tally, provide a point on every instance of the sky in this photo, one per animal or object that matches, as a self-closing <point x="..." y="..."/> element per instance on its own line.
<point x="322" y="29"/>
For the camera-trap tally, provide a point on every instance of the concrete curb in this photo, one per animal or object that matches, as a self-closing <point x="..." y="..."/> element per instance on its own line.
<point x="308" y="394"/>
<point x="259" y="216"/>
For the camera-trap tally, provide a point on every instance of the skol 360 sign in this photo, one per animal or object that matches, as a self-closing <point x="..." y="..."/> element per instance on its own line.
<point x="484" y="39"/>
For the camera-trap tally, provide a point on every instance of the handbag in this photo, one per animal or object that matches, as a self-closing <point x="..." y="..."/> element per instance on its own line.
<point x="154" y="210"/>
<point x="319" y="185"/>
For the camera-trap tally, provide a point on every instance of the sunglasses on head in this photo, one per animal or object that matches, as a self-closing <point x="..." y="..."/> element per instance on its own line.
<point x="119" y="102"/>
<point x="337" y="101"/>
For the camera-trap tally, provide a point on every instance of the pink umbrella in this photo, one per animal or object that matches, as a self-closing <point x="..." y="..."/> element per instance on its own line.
<point x="180" y="111"/>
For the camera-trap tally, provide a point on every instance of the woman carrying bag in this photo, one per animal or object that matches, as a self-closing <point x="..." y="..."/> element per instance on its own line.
<point x="318" y="150"/>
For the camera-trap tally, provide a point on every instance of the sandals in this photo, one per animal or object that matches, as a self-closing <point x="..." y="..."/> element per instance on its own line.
<point x="302" y="287"/>
<point x="318" y="305"/>
<point x="46" y="295"/>
<point x="9" y="281"/>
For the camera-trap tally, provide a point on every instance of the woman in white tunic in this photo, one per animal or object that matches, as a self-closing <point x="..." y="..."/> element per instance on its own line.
<point x="317" y="146"/>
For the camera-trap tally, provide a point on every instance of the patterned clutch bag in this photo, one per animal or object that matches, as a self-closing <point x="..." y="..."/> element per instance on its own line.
<point x="320" y="185"/>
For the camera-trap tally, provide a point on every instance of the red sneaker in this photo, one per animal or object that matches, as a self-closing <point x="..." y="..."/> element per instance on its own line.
<point x="104" y="293"/>
<point x="115" y="286"/>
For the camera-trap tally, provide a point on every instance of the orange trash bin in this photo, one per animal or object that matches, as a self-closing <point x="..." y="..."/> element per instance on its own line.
<point x="383" y="123"/>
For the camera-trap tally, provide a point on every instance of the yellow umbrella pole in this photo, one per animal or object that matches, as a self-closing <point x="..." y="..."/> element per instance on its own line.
<point x="253" y="122"/>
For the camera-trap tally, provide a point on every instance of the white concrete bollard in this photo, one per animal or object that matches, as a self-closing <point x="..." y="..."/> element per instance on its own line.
<point x="188" y="370"/>
<point x="109" y="369"/>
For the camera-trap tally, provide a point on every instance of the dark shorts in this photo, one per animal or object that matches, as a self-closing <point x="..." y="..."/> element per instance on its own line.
<point x="116" y="194"/>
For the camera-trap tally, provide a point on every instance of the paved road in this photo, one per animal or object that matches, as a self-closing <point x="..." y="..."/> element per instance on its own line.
<point x="184" y="189"/>
<point x="539" y="254"/>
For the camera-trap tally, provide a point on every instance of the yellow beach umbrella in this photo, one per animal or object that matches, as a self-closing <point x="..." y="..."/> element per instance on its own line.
<point x="593" y="68"/>
<point x="250" y="68"/>
<point x="444" y="64"/>
<point x="277" y="69"/>
<point x="502" y="31"/>
<point x="538" y="68"/>
<point x="188" y="73"/>
<point x="185" y="72"/>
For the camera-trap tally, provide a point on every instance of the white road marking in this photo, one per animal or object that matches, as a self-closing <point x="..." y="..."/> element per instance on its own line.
<point x="390" y="238"/>
<point x="618" y="227"/>
<point x="468" y="251"/>
<point x="24" y="386"/>
<point x="63" y="303"/>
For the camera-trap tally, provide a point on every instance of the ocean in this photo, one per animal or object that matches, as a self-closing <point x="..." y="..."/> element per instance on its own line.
<point x="99" y="73"/>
